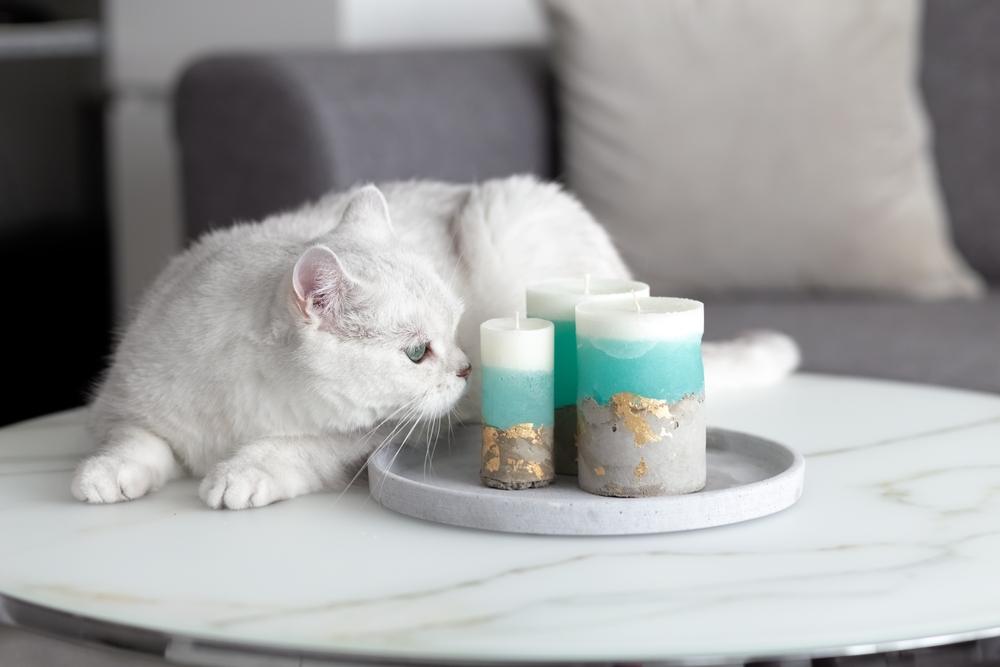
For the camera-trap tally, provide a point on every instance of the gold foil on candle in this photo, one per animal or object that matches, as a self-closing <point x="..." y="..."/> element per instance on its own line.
<point x="522" y="465"/>
<point x="632" y="410"/>
<point x="641" y="469"/>
<point x="517" y="457"/>
<point x="491" y="451"/>
<point x="599" y="471"/>
<point x="525" y="432"/>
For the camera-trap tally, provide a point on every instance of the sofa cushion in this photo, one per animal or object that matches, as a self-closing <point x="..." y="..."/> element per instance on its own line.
<point x="748" y="144"/>
<point x="954" y="343"/>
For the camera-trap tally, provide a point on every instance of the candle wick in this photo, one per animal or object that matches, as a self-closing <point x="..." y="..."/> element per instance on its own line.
<point x="635" y="300"/>
<point x="586" y="283"/>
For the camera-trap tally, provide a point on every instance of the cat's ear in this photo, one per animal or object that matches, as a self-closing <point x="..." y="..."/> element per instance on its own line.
<point x="322" y="286"/>
<point x="367" y="213"/>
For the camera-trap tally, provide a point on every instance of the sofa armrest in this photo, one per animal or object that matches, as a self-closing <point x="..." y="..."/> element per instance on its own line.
<point x="264" y="132"/>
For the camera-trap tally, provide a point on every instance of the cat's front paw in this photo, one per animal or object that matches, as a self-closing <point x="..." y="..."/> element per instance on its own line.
<point x="107" y="478"/>
<point x="236" y="487"/>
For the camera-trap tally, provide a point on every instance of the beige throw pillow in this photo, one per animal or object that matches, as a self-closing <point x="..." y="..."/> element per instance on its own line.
<point x="756" y="144"/>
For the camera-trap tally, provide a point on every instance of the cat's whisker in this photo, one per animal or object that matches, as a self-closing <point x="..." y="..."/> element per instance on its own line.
<point x="388" y="440"/>
<point x="395" y="412"/>
<point x="362" y="468"/>
<point x="451" y="429"/>
<point x="433" y="445"/>
<point x="385" y="441"/>
<point x="429" y="439"/>
<point x="398" y="427"/>
<point x="428" y="431"/>
<point x="396" y="455"/>
<point x="433" y="442"/>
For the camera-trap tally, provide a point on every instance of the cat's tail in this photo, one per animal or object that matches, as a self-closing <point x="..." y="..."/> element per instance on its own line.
<point x="753" y="359"/>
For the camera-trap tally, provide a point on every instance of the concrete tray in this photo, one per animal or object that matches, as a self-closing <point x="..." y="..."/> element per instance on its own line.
<point x="748" y="478"/>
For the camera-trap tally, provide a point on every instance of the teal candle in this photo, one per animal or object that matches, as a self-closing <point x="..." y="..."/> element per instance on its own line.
<point x="512" y="396"/>
<point x="517" y="402"/>
<point x="565" y="362"/>
<point x="556" y="301"/>
<point x="640" y="395"/>
<point x="665" y="370"/>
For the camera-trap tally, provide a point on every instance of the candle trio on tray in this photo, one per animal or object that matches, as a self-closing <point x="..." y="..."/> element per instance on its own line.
<point x="601" y="381"/>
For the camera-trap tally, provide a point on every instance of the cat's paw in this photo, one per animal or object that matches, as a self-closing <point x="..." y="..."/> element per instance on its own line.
<point x="236" y="487"/>
<point x="107" y="478"/>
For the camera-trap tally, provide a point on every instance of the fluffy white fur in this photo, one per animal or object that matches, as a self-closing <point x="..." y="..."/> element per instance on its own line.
<point x="264" y="357"/>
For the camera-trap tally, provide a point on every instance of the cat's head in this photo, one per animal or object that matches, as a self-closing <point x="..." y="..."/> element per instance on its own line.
<point x="376" y="323"/>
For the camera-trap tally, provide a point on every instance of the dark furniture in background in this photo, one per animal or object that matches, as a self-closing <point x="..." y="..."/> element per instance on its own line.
<point x="54" y="246"/>
<point x="266" y="132"/>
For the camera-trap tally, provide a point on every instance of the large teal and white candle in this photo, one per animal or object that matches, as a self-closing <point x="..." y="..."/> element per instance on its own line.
<point x="556" y="301"/>
<point x="517" y="402"/>
<point x="640" y="397"/>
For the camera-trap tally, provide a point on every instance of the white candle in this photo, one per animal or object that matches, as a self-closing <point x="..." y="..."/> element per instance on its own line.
<point x="517" y="359"/>
<point x="517" y="344"/>
<point x="656" y="318"/>
<point x="556" y="300"/>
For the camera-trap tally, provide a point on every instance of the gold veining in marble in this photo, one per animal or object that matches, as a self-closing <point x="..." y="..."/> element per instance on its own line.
<point x="633" y="409"/>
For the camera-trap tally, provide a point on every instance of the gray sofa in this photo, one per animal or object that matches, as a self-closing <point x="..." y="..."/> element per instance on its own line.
<point x="265" y="132"/>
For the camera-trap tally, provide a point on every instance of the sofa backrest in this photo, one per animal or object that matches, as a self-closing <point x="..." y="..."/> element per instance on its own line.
<point x="262" y="133"/>
<point x="960" y="78"/>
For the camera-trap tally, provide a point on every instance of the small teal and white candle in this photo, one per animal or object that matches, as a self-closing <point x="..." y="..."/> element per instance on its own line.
<point x="517" y="360"/>
<point x="556" y="300"/>
<point x="640" y="397"/>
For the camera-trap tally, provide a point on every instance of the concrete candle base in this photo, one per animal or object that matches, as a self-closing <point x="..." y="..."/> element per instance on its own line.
<point x="636" y="446"/>
<point x="519" y="457"/>
<point x="565" y="440"/>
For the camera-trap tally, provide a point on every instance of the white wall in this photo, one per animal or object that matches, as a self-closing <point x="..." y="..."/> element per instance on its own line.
<point x="150" y="41"/>
<point x="367" y="24"/>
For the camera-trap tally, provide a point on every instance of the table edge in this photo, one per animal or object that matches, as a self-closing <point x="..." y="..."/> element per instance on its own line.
<point x="179" y="648"/>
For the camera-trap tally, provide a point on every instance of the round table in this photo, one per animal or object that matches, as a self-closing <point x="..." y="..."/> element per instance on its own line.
<point x="894" y="545"/>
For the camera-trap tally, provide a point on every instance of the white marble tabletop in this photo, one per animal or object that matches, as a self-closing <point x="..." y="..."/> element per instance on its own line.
<point x="895" y="543"/>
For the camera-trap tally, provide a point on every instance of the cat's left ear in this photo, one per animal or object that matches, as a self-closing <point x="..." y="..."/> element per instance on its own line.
<point x="322" y="286"/>
<point x="367" y="213"/>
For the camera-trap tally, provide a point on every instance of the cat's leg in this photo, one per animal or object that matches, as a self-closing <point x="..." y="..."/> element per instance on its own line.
<point x="272" y="469"/>
<point x="132" y="463"/>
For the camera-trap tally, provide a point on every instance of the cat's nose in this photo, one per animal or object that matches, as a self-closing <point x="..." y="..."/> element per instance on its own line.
<point x="464" y="371"/>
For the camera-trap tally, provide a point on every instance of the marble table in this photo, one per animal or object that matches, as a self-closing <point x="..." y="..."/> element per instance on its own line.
<point x="894" y="545"/>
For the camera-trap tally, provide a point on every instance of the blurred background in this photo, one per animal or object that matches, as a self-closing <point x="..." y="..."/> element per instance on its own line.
<point x="90" y="206"/>
<point x="828" y="169"/>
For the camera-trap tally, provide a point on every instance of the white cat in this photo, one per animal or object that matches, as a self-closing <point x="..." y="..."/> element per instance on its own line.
<point x="265" y="355"/>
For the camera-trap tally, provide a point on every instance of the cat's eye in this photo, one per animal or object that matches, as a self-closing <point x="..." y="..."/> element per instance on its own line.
<point x="416" y="353"/>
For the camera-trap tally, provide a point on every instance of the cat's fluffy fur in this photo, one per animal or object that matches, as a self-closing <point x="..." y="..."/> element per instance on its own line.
<point x="263" y="355"/>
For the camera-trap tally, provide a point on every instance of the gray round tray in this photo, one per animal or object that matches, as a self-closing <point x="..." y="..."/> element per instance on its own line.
<point x="748" y="477"/>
